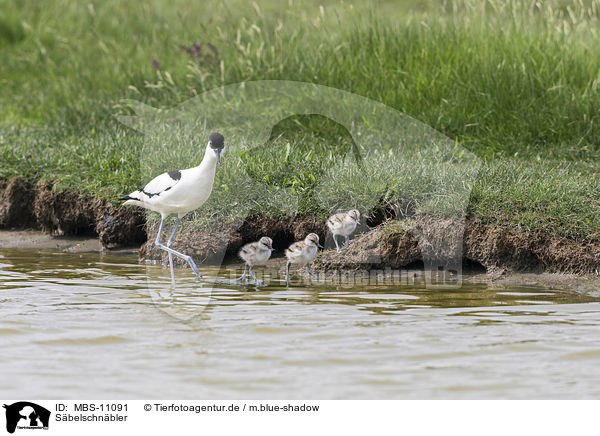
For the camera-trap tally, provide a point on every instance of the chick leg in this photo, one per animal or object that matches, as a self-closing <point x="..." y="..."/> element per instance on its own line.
<point x="314" y="276"/>
<point x="287" y="272"/>
<point x="258" y="282"/>
<point x="244" y="275"/>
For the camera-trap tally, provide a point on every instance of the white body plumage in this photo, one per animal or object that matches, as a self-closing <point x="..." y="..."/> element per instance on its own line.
<point x="257" y="253"/>
<point x="179" y="191"/>
<point x="303" y="253"/>
<point x="343" y="224"/>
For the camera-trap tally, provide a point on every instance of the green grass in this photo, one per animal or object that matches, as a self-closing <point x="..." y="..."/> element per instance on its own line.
<point x="517" y="84"/>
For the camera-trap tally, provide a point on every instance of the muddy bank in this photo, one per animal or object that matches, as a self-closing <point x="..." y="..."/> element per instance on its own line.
<point x="38" y="240"/>
<point x="28" y="205"/>
<point x="399" y="244"/>
<point x="497" y="248"/>
<point x="419" y="241"/>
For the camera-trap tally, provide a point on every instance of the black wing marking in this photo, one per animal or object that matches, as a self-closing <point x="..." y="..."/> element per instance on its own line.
<point x="156" y="186"/>
<point x="175" y="174"/>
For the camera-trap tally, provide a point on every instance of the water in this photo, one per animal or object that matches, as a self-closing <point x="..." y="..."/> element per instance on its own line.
<point x="104" y="326"/>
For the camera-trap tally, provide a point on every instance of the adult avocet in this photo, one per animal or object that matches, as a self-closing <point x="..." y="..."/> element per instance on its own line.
<point x="343" y="224"/>
<point x="179" y="192"/>
<point x="303" y="253"/>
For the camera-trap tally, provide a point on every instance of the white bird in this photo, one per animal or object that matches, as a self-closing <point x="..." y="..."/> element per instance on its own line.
<point x="303" y="253"/>
<point x="343" y="224"/>
<point x="256" y="254"/>
<point x="179" y="192"/>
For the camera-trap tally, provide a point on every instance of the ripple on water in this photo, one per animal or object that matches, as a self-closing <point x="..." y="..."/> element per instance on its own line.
<point x="324" y="341"/>
<point x="8" y="331"/>
<point x="579" y="355"/>
<point x="98" y="340"/>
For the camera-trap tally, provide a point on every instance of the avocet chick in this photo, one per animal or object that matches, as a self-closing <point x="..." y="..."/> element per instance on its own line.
<point x="303" y="253"/>
<point x="343" y="224"/>
<point x="256" y="253"/>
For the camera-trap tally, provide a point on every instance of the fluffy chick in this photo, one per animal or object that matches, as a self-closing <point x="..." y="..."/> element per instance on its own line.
<point x="303" y="253"/>
<point x="343" y="224"/>
<point x="255" y="254"/>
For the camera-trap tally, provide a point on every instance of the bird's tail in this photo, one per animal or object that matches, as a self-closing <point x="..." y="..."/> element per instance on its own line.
<point x="135" y="195"/>
<point x="131" y="198"/>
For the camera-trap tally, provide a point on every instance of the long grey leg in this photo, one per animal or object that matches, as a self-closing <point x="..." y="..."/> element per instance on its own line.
<point x="170" y="244"/>
<point x="258" y="282"/>
<point x="336" y="244"/>
<point x="311" y="273"/>
<point x="287" y="272"/>
<point x="159" y="245"/>
<point x="347" y="241"/>
<point x="188" y="259"/>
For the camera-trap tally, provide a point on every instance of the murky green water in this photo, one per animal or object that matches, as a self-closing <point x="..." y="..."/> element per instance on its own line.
<point x="103" y="326"/>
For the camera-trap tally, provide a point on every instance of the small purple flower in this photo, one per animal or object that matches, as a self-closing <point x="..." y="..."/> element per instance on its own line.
<point x="213" y="49"/>
<point x="196" y="51"/>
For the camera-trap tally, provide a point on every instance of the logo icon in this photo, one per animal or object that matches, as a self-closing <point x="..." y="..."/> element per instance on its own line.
<point x="26" y="415"/>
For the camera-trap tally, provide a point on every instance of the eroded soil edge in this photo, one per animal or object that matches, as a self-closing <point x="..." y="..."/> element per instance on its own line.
<point x="394" y="244"/>
<point x="25" y="204"/>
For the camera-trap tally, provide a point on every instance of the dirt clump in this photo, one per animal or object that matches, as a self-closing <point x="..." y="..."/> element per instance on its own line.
<point x="16" y="204"/>
<point x="500" y="246"/>
<point x="495" y="247"/>
<point x="121" y="227"/>
<point x="65" y="213"/>
<point x="24" y="204"/>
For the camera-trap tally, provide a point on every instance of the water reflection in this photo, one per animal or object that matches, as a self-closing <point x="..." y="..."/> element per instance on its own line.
<point x="110" y="327"/>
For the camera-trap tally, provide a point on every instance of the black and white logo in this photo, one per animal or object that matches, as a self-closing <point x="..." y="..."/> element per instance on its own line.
<point x="26" y="415"/>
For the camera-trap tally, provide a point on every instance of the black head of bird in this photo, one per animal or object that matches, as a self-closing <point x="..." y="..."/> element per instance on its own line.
<point x="217" y="143"/>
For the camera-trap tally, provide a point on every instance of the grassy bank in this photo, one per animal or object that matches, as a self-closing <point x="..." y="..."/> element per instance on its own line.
<point x="516" y="83"/>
